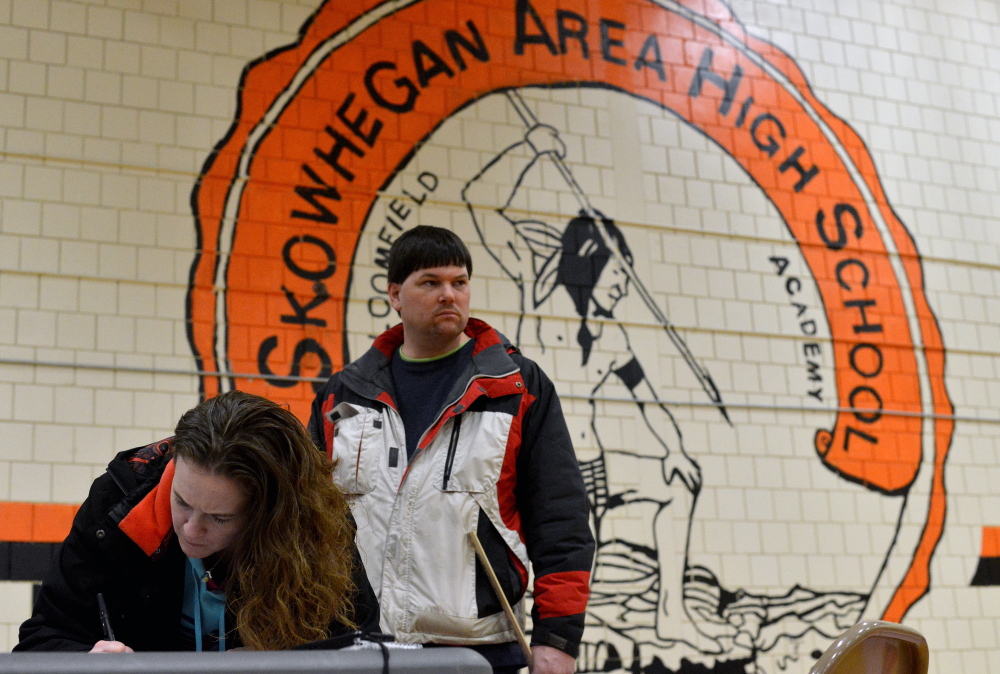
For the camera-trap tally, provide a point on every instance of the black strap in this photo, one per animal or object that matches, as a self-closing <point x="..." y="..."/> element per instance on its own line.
<point x="385" y="657"/>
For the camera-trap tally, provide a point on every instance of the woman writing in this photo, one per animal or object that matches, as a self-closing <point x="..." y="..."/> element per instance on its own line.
<point x="228" y="534"/>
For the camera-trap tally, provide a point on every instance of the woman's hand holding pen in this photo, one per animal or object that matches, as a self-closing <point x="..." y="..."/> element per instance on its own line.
<point x="110" y="647"/>
<point x="108" y="644"/>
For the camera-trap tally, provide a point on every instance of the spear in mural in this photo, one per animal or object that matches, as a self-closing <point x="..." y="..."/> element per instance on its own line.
<point x="702" y="374"/>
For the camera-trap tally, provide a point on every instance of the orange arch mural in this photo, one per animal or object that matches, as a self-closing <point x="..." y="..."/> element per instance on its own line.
<point x="324" y="126"/>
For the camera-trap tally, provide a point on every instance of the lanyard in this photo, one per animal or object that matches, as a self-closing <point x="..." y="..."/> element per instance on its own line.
<point x="200" y="582"/>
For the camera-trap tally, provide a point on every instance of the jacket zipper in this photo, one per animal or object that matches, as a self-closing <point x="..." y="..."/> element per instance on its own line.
<point x="472" y="381"/>
<point x="452" y="446"/>
<point x="443" y="410"/>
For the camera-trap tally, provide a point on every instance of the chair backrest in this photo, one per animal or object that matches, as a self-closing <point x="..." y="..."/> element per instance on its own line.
<point x="875" y="647"/>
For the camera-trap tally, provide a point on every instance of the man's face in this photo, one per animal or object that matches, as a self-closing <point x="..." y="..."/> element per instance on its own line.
<point x="433" y="304"/>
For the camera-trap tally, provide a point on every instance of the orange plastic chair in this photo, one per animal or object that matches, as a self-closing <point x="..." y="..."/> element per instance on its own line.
<point x="875" y="647"/>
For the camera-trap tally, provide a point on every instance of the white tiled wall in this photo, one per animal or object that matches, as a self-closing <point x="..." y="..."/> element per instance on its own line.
<point x="109" y="108"/>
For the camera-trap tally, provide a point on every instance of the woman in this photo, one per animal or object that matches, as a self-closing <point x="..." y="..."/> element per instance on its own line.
<point x="228" y="534"/>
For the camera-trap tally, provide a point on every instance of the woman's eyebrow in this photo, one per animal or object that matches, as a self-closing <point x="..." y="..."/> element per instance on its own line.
<point x="181" y="500"/>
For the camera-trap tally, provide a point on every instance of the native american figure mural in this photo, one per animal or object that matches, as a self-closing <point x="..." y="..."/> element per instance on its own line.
<point x="694" y="248"/>
<point x="644" y="591"/>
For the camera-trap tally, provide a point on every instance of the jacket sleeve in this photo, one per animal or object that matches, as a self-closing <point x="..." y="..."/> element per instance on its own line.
<point x="65" y="616"/>
<point x="366" y="611"/>
<point x="315" y="424"/>
<point x="555" y="514"/>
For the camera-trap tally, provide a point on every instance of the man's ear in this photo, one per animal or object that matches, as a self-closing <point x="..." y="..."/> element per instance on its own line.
<point x="394" y="296"/>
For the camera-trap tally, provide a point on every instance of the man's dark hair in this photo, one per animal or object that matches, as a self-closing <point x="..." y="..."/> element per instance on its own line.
<point x="424" y="247"/>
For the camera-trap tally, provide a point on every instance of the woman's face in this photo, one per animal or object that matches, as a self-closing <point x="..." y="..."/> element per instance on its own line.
<point x="209" y="511"/>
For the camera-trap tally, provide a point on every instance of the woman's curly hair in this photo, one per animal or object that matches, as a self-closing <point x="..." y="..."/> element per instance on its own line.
<point x="289" y="573"/>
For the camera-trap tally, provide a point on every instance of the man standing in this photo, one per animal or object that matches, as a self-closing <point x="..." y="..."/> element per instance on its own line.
<point x="443" y="428"/>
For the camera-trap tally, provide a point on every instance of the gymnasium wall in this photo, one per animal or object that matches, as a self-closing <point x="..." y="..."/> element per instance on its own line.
<point x="753" y="243"/>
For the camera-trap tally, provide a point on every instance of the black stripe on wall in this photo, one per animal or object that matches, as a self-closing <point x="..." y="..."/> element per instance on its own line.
<point x="988" y="571"/>
<point x="26" y="561"/>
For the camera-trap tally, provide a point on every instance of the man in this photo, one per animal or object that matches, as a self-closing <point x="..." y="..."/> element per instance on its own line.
<point x="443" y="428"/>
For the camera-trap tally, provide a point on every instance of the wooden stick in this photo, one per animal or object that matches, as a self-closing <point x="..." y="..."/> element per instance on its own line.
<point x="495" y="582"/>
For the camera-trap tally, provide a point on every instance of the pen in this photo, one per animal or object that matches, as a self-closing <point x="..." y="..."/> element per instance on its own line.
<point x="109" y="633"/>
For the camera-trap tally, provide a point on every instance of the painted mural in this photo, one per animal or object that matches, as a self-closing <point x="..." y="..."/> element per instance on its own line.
<point x="614" y="167"/>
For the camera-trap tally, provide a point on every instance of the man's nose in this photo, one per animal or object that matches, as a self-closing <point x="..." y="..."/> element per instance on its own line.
<point x="447" y="292"/>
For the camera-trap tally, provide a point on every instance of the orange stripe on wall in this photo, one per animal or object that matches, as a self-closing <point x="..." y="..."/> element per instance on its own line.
<point x="35" y="522"/>
<point x="991" y="542"/>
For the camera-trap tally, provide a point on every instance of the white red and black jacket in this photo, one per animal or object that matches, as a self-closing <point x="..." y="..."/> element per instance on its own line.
<point x="498" y="460"/>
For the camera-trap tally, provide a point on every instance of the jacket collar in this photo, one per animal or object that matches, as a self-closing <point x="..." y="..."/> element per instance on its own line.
<point x="149" y="523"/>
<point x="478" y="330"/>
<point x="371" y="376"/>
